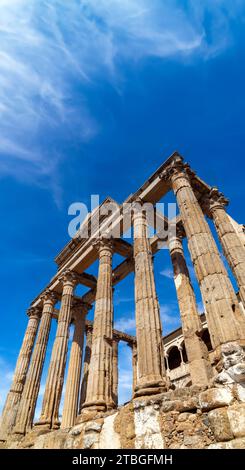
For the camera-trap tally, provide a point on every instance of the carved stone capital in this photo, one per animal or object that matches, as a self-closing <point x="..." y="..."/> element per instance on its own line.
<point x="137" y="204"/>
<point x="176" y="232"/>
<point x="174" y="168"/>
<point x="49" y="296"/>
<point x="103" y="243"/>
<point x="79" y="308"/>
<point x="212" y="201"/>
<point x="69" y="277"/>
<point x="34" y="312"/>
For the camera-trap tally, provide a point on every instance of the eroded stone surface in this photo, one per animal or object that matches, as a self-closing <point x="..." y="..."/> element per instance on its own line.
<point x="215" y="398"/>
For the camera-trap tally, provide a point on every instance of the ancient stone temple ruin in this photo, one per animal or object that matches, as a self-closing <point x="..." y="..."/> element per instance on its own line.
<point x="188" y="388"/>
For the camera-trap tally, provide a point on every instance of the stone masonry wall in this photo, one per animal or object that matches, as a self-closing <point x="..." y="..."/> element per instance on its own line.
<point x="190" y="418"/>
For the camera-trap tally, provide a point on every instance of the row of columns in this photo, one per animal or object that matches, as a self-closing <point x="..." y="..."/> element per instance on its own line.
<point x="224" y="316"/>
<point x="99" y="386"/>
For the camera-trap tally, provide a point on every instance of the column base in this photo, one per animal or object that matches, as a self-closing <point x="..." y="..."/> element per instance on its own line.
<point x="95" y="405"/>
<point x="47" y="424"/>
<point x="18" y="432"/>
<point x="150" y="388"/>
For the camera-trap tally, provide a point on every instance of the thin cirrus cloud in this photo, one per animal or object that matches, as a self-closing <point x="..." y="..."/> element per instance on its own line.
<point x="50" y="49"/>
<point x="125" y="324"/>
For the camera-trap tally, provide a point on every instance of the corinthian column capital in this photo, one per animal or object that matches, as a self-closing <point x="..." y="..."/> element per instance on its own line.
<point x="69" y="277"/>
<point x="49" y="297"/>
<point x="213" y="200"/>
<point x="175" y="167"/>
<point x="79" y="309"/>
<point x="103" y="243"/>
<point x="34" y="312"/>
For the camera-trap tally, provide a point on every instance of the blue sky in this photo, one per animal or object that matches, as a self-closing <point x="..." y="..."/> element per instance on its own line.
<point x="94" y="95"/>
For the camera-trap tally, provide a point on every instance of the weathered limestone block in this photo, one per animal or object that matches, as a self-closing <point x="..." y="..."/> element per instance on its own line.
<point x="240" y="392"/>
<point x="75" y="437"/>
<point x="188" y="404"/>
<point x="52" y="440"/>
<point x="91" y="435"/>
<point x="124" y="425"/>
<point x="109" y="438"/>
<point x="232" y="366"/>
<point x="236" y="444"/>
<point x="193" y="442"/>
<point x="220" y="424"/>
<point x="147" y="426"/>
<point x="233" y="444"/>
<point x="215" y="398"/>
<point x="236" y="414"/>
<point x="172" y="405"/>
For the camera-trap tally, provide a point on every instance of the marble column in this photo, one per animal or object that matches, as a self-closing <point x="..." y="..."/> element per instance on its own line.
<point x="70" y="409"/>
<point x="99" y="392"/>
<point x="196" y="350"/>
<point x="151" y="369"/>
<point x="231" y="242"/>
<point x="14" y="396"/>
<point x="29" y="398"/>
<point x="55" y="380"/>
<point x="222" y="309"/>
<point x="115" y="370"/>
<point x="87" y="357"/>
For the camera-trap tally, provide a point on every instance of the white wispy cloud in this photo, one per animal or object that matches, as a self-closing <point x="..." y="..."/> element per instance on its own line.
<point x="126" y="324"/>
<point x="168" y="273"/>
<point x="49" y="49"/>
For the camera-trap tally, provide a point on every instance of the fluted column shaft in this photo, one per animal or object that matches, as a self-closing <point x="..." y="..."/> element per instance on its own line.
<point x="14" y="396"/>
<point x="54" y="384"/>
<point x="70" y="409"/>
<point x="221" y="305"/>
<point x="197" y="352"/>
<point x="115" y="372"/>
<point x="86" y="364"/>
<point x="134" y="365"/>
<point x="99" y="392"/>
<point x="29" y="398"/>
<point x="231" y="243"/>
<point x="148" y="326"/>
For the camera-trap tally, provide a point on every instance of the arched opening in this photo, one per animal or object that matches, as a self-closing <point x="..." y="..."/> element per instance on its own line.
<point x="174" y="358"/>
<point x="206" y="339"/>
